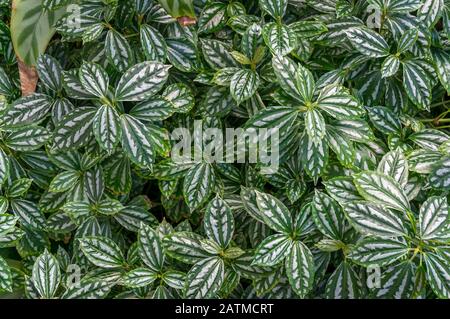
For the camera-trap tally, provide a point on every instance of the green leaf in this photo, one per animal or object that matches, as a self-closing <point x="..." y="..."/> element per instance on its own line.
<point x="93" y="183"/>
<point x="118" y="51"/>
<point x="397" y="282"/>
<point x="442" y="62"/>
<point x="6" y="280"/>
<point x="308" y="29"/>
<point x="205" y="278"/>
<point x="328" y="216"/>
<point x="182" y="54"/>
<point x="217" y="55"/>
<point x="274" y="213"/>
<point x="430" y="12"/>
<point x="314" y="156"/>
<point x="417" y="84"/>
<point x="368" y="42"/>
<point x="64" y="181"/>
<point x="338" y="103"/>
<point x="344" y="283"/>
<point x="407" y="40"/>
<point x="300" y="269"/>
<point x="139" y="277"/>
<point x="27" y="110"/>
<point x="102" y="251"/>
<point x="88" y="289"/>
<point x="305" y="83"/>
<point x="131" y="217"/>
<point x="384" y="120"/>
<point x="178" y="9"/>
<point x="315" y="126"/>
<point x="378" y="251"/>
<point x="32" y="27"/>
<point x="272" y="250"/>
<point x="288" y="77"/>
<point x="244" y="84"/>
<point x="180" y="97"/>
<point x="276" y="8"/>
<point x="199" y="183"/>
<point x="7" y="223"/>
<point x="395" y="165"/>
<point x="429" y="139"/>
<point x="185" y="246"/>
<point x="375" y="220"/>
<point x="423" y="161"/>
<point x="342" y="189"/>
<point x="212" y="17"/>
<point x="219" y="222"/>
<point x="50" y="72"/>
<point x="75" y="129"/>
<point x="153" y="43"/>
<point x="150" y="248"/>
<point x="174" y="279"/>
<point x="280" y="38"/>
<point x="381" y="189"/>
<point x="27" y="138"/>
<point x="142" y="81"/>
<point x="433" y="218"/>
<point x="390" y="66"/>
<point x="46" y="275"/>
<point x="106" y="127"/>
<point x="4" y="166"/>
<point x="18" y="187"/>
<point x="136" y="141"/>
<point x="343" y="148"/>
<point x="108" y="207"/>
<point x="438" y="274"/>
<point x="94" y="79"/>
<point x="28" y="213"/>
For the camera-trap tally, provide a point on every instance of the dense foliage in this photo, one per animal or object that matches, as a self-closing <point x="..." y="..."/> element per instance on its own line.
<point x="93" y="206"/>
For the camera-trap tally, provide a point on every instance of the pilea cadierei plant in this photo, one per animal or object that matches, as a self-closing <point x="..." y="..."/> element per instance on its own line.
<point x="95" y="204"/>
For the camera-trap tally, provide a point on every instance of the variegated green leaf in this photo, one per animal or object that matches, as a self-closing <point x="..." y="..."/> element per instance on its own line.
<point x="75" y="129"/>
<point x="106" y="127"/>
<point x="102" y="251"/>
<point x="368" y="42"/>
<point x="300" y="269"/>
<point x="379" y="251"/>
<point x="381" y="189"/>
<point x="280" y="39"/>
<point x="272" y="250"/>
<point x="136" y="141"/>
<point x="433" y="218"/>
<point x="153" y="43"/>
<point x="205" y="278"/>
<point x="219" y="222"/>
<point x="375" y="220"/>
<point x="417" y="84"/>
<point x="46" y="275"/>
<point x="150" y="248"/>
<point x="315" y="125"/>
<point x="344" y="283"/>
<point x="198" y="185"/>
<point x="438" y="274"/>
<point x="328" y="216"/>
<point x="274" y="213"/>
<point x="244" y="84"/>
<point x="142" y="81"/>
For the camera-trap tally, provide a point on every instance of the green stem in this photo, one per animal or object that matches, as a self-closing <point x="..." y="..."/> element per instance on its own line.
<point x="412" y="219"/>
<point x="439" y="104"/>
<point x="131" y="35"/>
